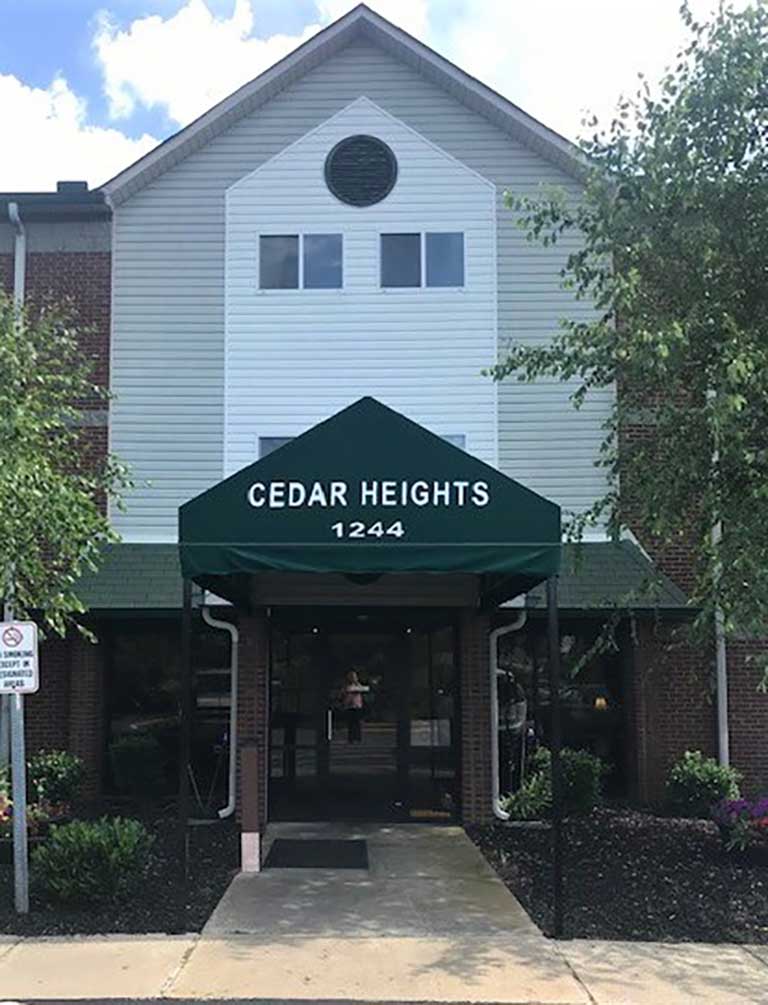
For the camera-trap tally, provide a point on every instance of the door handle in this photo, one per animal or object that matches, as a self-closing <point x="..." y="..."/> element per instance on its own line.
<point x="329" y="724"/>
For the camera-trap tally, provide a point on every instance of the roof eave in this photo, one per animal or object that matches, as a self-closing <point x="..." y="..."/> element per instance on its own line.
<point x="361" y="20"/>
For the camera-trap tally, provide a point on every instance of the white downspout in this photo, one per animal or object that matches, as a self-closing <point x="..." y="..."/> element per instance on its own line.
<point x="721" y="663"/>
<point x="19" y="281"/>
<point x="493" y="663"/>
<point x="234" y="637"/>
<point x="721" y="651"/>
<point x="19" y="254"/>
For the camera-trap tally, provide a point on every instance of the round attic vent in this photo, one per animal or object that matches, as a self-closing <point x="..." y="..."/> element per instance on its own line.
<point x="361" y="170"/>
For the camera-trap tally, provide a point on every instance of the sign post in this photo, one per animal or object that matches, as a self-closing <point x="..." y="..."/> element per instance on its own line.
<point x="19" y="675"/>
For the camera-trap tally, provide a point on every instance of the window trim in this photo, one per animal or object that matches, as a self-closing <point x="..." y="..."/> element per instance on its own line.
<point x="423" y="262"/>
<point x="301" y="288"/>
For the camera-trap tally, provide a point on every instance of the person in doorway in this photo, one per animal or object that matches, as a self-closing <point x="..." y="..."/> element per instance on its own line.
<point x="352" y="700"/>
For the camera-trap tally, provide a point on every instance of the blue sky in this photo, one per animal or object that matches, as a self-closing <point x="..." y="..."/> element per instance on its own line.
<point x="43" y="38"/>
<point x="91" y="86"/>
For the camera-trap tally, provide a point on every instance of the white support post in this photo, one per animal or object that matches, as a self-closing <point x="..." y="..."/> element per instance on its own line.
<point x="18" y="793"/>
<point x="20" y="851"/>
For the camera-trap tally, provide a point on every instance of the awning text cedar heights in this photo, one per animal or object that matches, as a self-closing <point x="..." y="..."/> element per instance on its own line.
<point x="369" y="492"/>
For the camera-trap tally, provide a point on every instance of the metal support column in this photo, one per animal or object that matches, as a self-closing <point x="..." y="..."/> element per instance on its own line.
<point x="555" y="745"/>
<point x="185" y="723"/>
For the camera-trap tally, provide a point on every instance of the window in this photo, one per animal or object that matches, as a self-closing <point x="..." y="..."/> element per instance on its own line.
<point x="322" y="261"/>
<point x="432" y="259"/>
<point x="300" y="261"/>
<point x="456" y="440"/>
<point x="268" y="444"/>
<point x="445" y="259"/>
<point x="401" y="259"/>
<point x="279" y="262"/>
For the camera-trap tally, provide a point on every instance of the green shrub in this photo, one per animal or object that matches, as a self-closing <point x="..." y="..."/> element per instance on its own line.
<point x="582" y="784"/>
<point x="533" y="800"/>
<point x="696" y="783"/>
<point x="138" y="765"/>
<point x="55" y="776"/>
<point x="87" y="861"/>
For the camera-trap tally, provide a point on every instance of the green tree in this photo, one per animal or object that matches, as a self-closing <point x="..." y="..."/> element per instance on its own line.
<point x="52" y="486"/>
<point x="673" y="253"/>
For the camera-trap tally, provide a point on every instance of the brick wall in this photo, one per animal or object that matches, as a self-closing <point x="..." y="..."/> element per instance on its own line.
<point x="84" y="278"/>
<point x="748" y="715"/>
<point x="67" y="712"/>
<point x="691" y="726"/>
<point x="475" y="718"/>
<point x="252" y="702"/>
<point x="672" y="705"/>
<point x="46" y="718"/>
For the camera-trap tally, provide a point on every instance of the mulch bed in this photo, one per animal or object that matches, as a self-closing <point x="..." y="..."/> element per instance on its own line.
<point x="163" y="903"/>
<point x="631" y="875"/>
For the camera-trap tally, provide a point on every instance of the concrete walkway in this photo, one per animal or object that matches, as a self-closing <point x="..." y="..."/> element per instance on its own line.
<point x="428" y="922"/>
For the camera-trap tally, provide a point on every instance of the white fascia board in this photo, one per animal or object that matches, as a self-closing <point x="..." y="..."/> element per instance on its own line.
<point x="461" y="85"/>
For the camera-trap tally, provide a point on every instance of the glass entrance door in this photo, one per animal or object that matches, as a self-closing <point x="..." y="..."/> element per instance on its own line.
<point x="363" y="722"/>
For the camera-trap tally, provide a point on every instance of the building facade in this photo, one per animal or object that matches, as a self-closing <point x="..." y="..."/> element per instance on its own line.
<point x="337" y="230"/>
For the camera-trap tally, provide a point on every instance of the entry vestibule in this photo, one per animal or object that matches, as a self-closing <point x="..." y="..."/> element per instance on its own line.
<point x="364" y="715"/>
<point x="477" y="540"/>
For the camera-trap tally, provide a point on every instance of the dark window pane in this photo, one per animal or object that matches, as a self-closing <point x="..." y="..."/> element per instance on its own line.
<point x="401" y="259"/>
<point x="322" y="261"/>
<point x="457" y="439"/>
<point x="267" y="444"/>
<point x="279" y="262"/>
<point x="445" y="259"/>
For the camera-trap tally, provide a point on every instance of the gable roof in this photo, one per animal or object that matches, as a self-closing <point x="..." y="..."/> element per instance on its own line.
<point x="360" y="22"/>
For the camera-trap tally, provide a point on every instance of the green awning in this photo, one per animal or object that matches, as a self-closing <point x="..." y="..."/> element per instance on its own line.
<point x="369" y="492"/>
<point x="145" y="579"/>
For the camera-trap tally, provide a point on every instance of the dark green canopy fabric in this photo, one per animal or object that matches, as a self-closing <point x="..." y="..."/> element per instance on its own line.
<point x="369" y="492"/>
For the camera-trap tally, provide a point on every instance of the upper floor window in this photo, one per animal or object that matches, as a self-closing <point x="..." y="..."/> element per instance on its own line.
<point x="268" y="444"/>
<point x="434" y="259"/>
<point x="300" y="261"/>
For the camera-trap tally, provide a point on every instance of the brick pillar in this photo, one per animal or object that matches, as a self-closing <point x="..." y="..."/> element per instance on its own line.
<point x="475" y="718"/>
<point x="86" y="711"/>
<point x="672" y="706"/>
<point x="252" y="725"/>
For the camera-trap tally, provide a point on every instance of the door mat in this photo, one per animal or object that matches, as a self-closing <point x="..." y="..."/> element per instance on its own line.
<point x="315" y="853"/>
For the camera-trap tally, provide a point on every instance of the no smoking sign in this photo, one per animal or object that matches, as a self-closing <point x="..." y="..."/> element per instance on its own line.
<point x="19" y="672"/>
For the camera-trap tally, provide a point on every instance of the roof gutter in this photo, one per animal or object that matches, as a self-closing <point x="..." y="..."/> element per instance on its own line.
<point x="19" y="254"/>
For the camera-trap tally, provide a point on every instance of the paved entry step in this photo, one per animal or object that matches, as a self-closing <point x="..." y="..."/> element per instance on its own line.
<point x="317" y="853"/>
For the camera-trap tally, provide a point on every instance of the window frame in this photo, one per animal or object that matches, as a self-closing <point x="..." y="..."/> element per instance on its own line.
<point x="301" y="288"/>
<point x="423" y="262"/>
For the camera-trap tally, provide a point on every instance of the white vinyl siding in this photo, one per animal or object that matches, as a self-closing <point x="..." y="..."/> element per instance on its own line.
<point x="292" y="363"/>
<point x="169" y="302"/>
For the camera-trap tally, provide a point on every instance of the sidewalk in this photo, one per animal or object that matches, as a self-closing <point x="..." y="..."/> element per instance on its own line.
<point x="522" y="970"/>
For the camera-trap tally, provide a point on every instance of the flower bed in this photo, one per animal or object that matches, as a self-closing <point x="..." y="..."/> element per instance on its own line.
<point x="743" y="826"/>
<point x="631" y="875"/>
<point x="165" y="902"/>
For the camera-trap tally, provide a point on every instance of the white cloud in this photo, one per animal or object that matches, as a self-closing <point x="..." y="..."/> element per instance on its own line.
<point x="555" y="58"/>
<point x="187" y="62"/>
<point x="47" y="138"/>
<point x="559" y="59"/>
